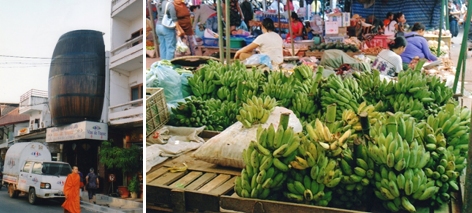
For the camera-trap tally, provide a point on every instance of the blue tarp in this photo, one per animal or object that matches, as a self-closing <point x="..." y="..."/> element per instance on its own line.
<point x="426" y="12"/>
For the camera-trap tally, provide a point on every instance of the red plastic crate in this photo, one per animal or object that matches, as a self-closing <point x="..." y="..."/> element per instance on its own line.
<point x="379" y="41"/>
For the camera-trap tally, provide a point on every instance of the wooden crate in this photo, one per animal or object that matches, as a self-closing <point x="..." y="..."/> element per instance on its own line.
<point x="156" y="110"/>
<point x="206" y="187"/>
<point x="198" y="188"/>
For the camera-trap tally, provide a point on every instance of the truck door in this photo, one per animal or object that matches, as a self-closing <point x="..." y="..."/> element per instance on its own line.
<point x="25" y="178"/>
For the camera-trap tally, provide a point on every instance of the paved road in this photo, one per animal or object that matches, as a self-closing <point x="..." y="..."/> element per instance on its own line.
<point x="20" y="204"/>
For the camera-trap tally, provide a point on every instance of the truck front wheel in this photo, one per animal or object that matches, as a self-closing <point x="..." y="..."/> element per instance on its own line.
<point x="12" y="192"/>
<point x="32" y="196"/>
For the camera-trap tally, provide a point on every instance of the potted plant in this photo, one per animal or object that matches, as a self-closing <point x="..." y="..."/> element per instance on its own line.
<point x="133" y="187"/>
<point x="128" y="160"/>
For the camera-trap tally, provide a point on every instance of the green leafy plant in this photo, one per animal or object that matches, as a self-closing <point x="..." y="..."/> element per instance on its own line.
<point x="133" y="185"/>
<point x="126" y="159"/>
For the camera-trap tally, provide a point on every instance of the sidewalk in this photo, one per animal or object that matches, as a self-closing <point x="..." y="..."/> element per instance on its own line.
<point x="107" y="204"/>
<point x="454" y="54"/>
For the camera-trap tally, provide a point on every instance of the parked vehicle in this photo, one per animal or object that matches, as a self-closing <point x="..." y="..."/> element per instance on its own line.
<point x="28" y="168"/>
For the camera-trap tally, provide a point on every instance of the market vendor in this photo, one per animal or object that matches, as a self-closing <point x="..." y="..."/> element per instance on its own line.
<point x="388" y="61"/>
<point x="297" y="28"/>
<point x="269" y="43"/>
<point x="417" y="45"/>
<point x="206" y="16"/>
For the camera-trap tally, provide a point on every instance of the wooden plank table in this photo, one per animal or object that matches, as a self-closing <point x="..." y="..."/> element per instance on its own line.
<point x="207" y="187"/>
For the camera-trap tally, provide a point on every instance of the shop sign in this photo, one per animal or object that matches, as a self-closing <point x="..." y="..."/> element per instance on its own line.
<point x="76" y="131"/>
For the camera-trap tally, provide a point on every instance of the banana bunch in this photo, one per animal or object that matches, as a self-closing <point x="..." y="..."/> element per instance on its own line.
<point x="212" y="113"/>
<point x="334" y="91"/>
<point x="280" y="87"/>
<point x="256" y="111"/>
<point x="303" y="72"/>
<point x="373" y="88"/>
<point x="334" y="144"/>
<point x="409" y="105"/>
<point x="398" y="190"/>
<point x="351" y="85"/>
<point x="202" y="87"/>
<point x="309" y="184"/>
<point x="443" y="173"/>
<point x="413" y="84"/>
<point x="267" y="162"/>
<point x="223" y="93"/>
<point x="351" y="119"/>
<point x="440" y="92"/>
<point x="395" y="146"/>
<point x="303" y="106"/>
<point x="358" y="171"/>
<point x="455" y="124"/>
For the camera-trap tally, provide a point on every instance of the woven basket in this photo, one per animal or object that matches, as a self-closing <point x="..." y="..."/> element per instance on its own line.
<point x="156" y="110"/>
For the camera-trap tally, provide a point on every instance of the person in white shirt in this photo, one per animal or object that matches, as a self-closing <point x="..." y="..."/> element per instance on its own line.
<point x="269" y="43"/>
<point x="273" y="6"/>
<point x="389" y="62"/>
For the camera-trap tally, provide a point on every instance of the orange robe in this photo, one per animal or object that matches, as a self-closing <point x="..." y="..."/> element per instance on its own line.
<point x="71" y="191"/>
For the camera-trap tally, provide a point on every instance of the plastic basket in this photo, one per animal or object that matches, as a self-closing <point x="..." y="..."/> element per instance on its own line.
<point x="249" y="39"/>
<point x="156" y="110"/>
<point x="211" y="42"/>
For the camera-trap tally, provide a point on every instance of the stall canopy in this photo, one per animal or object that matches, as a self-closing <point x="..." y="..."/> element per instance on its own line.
<point x="426" y="12"/>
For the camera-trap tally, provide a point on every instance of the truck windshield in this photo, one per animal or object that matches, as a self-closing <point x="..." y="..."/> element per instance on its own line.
<point x="61" y="169"/>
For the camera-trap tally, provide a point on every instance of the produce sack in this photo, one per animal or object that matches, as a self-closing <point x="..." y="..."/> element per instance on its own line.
<point x="167" y="78"/>
<point x="335" y="58"/>
<point x="171" y="142"/>
<point x="226" y="148"/>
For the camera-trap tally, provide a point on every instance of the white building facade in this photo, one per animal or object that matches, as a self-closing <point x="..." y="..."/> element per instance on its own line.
<point x="125" y="110"/>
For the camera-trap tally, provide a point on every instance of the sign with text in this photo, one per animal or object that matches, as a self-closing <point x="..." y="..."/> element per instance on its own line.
<point x="331" y="27"/>
<point x="76" y="131"/>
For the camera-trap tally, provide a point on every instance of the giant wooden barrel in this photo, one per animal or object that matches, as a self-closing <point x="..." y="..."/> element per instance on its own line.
<point x="77" y="77"/>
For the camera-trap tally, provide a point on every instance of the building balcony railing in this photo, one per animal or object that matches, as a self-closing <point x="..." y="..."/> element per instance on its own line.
<point x="33" y="100"/>
<point x="122" y="6"/>
<point x="132" y="49"/>
<point x="129" y="112"/>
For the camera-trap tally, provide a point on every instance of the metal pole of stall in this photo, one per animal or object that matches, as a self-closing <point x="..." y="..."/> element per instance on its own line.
<point x="441" y="20"/>
<point x="220" y="29"/>
<point x="228" y="33"/>
<point x="290" y="27"/>
<point x="154" y="36"/>
<point x="278" y="16"/>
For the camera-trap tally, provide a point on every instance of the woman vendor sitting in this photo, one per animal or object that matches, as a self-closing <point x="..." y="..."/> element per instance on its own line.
<point x="297" y="28"/>
<point x="389" y="62"/>
<point x="269" y="43"/>
<point x="417" y="45"/>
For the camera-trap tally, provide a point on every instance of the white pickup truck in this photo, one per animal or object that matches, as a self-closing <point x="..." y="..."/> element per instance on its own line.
<point x="28" y="168"/>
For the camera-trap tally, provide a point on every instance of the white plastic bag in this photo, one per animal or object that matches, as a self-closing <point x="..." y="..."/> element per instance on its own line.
<point x="181" y="46"/>
<point x="227" y="147"/>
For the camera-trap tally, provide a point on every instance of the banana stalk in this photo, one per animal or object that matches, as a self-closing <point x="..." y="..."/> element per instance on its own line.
<point x="331" y="115"/>
<point x="284" y="117"/>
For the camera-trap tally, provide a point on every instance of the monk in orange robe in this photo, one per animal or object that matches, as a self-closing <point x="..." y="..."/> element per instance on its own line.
<point x="71" y="192"/>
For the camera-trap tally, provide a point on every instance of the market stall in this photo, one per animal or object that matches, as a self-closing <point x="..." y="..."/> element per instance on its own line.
<point x="368" y="141"/>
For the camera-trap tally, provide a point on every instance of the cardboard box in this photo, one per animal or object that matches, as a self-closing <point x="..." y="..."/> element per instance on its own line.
<point x="342" y="30"/>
